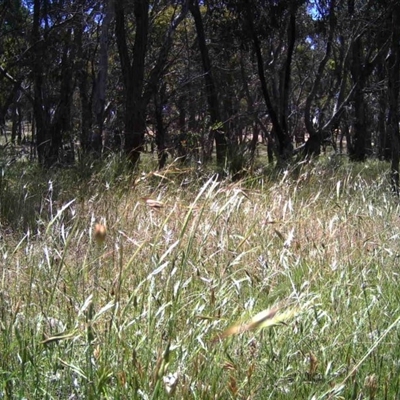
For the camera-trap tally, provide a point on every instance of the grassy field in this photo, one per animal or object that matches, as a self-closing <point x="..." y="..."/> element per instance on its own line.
<point x="179" y="285"/>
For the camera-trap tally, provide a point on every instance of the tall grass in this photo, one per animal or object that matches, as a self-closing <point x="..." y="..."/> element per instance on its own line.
<point x="162" y="302"/>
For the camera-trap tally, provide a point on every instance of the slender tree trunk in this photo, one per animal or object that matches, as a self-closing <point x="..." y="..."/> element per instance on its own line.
<point x="14" y="120"/>
<point x="42" y="136"/>
<point x="61" y="122"/>
<point x="133" y="74"/>
<point x="361" y="68"/>
<point x="84" y="86"/>
<point x="383" y="145"/>
<point x="393" y="63"/>
<point x="287" y="70"/>
<point x="359" y="126"/>
<point x="217" y="130"/>
<point x="161" y="132"/>
<point x="135" y="127"/>
<point x="285" y="146"/>
<point x="101" y="81"/>
<point x="8" y="101"/>
<point x="313" y="145"/>
<point x="138" y="93"/>
<point x="52" y="110"/>
<point x="20" y="126"/>
<point x="250" y="111"/>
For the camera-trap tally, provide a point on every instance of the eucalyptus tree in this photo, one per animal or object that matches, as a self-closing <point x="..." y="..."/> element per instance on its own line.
<point x="217" y="127"/>
<point x="141" y="80"/>
<point x="321" y="74"/>
<point x="209" y="81"/>
<point x="353" y="39"/>
<point x="175" y="109"/>
<point x="366" y="20"/>
<point x="53" y="62"/>
<point x="60" y="54"/>
<point x="107" y="14"/>
<point x="271" y="28"/>
<point x="237" y="85"/>
<point x="86" y="25"/>
<point x="317" y="127"/>
<point x="393" y="66"/>
<point x="98" y="76"/>
<point x="13" y="45"/>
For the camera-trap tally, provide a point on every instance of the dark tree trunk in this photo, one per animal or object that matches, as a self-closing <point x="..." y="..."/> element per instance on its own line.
<point x="52" y="110"/>
<point x="183" y="133"/>
<point x="181" y="105"/>
<point x="383" y="143"/>
<point x="14" y="120"/>
<point x="217" y="131"/>
<point x="254" y="140"/>
<point x="161" y="132"/>
<point x="359" y="125"/>
<point x="135" y="126"/>
<point x="9" y="100"/>
<point x="250" y="109"/>
<point x="85" y="88"/>
<point x="61" y="122"/>
<point x="313" y="145"/>
<point x="287" y="70"/>
<point x="284" y="143"/>
<point x="101" y="80"/>
<point x="42" y="134"/>
<point x="133" y="74"/>
<point x="137" y="93"/>
<point x="393" y="64"/>
<point x="20" y="128"/>
<point x="361" y="68"/>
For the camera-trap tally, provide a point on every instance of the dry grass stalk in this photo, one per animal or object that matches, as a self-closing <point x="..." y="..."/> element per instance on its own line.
<point x="261" y="320"/>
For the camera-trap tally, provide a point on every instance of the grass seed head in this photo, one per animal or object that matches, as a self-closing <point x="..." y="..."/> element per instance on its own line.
<point x="313" y="365"/>
<point x="261" y="320"/>
<point x="371" y="385"/>
<point x="100" y="232"/>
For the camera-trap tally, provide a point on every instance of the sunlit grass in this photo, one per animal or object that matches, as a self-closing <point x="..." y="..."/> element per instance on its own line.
<point x="178" y="284"/>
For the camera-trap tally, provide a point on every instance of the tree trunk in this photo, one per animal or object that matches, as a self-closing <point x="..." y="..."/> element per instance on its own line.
<point x="383" y="143"/>
<point x="42" y="134"/>
<point x="20" y="122"/>
<point x="8" y="101"/>
<point x="161" y="132"/>
<point x="137" y="93"/>
<point x="217" y="130"/>
<point x="61" y="122"/>
<point x="101" y="81"/>
<point x="285" y="146"/>
<point x="84" y="86"/>
<point x="14" y="121"/>
<point x="359" y="125"/>
<point x="313" y="145"/>
<point x="361" y="68"/>
<point x="133" y="74"/>
<point x="393" y="64"/>
<point x="287" y="69"/>
<point x="52" y="109"/>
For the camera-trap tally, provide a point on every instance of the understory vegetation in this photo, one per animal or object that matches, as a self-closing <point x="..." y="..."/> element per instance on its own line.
<point x="146" y="286"/>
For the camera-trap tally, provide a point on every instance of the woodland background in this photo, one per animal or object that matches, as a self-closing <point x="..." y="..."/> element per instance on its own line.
<point x="186" y="78"/>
